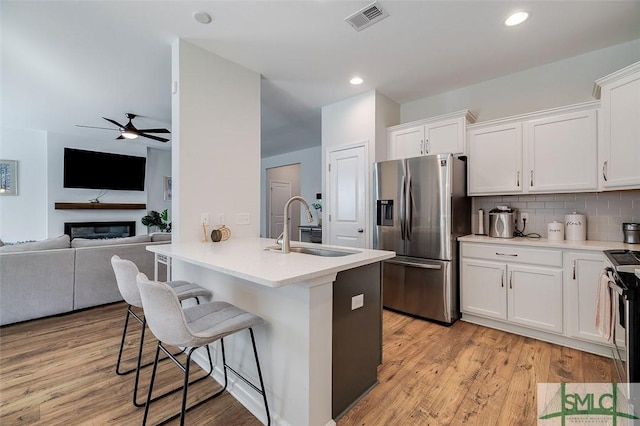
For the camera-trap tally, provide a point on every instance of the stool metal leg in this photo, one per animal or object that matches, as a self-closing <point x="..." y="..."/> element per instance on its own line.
<point x="185" y="368"/>
<point x="124" y="334"/>
<point x="139" y="365"/>
<point x="263" y="392"/>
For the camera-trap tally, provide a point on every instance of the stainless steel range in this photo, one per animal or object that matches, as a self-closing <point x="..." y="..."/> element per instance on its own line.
<point x="626" y="300"/>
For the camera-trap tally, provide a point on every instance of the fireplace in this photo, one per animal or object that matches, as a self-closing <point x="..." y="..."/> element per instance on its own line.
<point x="96" y="230"/>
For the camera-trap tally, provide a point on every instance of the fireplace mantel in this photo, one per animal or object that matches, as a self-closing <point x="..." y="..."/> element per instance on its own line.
<point x="100" y="206"/>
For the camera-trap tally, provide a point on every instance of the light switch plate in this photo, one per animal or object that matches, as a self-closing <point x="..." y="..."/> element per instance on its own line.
<point x="243" y="219"/>
<point x="357" y="302"/>
<point x="204" y="219"/>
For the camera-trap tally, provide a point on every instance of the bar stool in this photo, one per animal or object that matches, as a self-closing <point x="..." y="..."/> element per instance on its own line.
<point x="193" y="327"/>
<point x="126" y="271"/>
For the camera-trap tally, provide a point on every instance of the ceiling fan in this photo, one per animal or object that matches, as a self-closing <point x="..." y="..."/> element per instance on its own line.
<point x="129" y="131"/>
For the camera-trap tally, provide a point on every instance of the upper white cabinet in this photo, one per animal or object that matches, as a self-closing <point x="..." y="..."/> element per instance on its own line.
<point x="436" y="135"/>
<point x="547" y="151"/>
<point x="495" y="159"/>
<point x="562" y="152"/>
<point x="620" y="128"/>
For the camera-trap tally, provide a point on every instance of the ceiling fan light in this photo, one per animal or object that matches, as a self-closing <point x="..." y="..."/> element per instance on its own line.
<point x="516" y="19"/>
<point x="129" y="135"/>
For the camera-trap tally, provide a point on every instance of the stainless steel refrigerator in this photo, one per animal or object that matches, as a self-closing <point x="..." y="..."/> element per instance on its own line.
<point x="421" y="209"/>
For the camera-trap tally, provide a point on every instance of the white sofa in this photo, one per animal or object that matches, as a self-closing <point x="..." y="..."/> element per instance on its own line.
<point x="56" y="276"/>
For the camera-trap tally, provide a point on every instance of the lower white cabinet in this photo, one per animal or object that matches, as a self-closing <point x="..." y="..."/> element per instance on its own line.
<point x="482" y="290"/>
<point x="535" y="297"/>
<point x="581" y="276"/>
<point x="520" y="293"/>
<point x="548" y="293"/>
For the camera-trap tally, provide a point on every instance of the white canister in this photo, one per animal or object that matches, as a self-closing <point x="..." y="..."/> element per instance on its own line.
<point x="575" y="227"/>
<point x="555" y="231"/>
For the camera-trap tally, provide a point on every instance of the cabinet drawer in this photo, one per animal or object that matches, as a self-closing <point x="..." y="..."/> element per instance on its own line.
<point x="508" y="253"/>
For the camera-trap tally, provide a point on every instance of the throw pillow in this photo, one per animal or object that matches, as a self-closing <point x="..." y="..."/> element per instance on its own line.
<point x="86" y="242"/>
<point x="60" y="242"/>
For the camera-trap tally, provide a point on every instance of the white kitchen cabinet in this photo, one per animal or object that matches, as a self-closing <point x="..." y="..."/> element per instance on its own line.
<point x="581" y="276"/>
<point x="442" y="134"/>
<point x="483" y="289"/>
<point x="620" y="128"/>
<point x="518" y="285"/>
<point x="562" y="152"/>
<point x="406" y="143"/>
<point x="535" y="297"/>
<point x="546" y="151"/>
<point x="495" y="159"/>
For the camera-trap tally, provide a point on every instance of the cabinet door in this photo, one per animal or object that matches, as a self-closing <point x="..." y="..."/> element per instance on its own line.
<point x="445" y="136"/>
<point x="495" y="160"/>
<point x="561" y="153"/>
<point x="482" y="288"/>
<point x="581" y="278"/>
<point x="406" y="143"/>
<point x="535" y="297"/>
<point x="620" y="142"/>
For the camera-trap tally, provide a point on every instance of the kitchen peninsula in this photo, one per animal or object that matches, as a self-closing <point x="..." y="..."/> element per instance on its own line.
<point x="295" y="295"/>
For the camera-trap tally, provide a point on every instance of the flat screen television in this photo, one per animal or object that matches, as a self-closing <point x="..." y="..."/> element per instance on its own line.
<point x="102" y="170"/>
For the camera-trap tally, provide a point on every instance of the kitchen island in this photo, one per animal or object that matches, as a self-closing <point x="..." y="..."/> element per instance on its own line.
<point x="294" y="294"/>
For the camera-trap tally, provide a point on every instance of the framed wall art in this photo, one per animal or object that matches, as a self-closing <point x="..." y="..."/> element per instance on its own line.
<point x="167" y="188"/>
<point x="8" y="177"/>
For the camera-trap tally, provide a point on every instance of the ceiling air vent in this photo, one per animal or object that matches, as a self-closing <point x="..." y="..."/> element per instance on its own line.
<point x="367" y="16"/>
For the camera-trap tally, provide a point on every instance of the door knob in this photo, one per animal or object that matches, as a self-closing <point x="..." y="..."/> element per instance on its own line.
<point x="360" y="230"/>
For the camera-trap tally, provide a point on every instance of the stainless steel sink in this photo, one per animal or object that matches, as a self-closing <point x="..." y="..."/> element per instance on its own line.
<point x="324" y="252"/>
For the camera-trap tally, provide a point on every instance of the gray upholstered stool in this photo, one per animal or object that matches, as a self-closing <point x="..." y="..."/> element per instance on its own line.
<point x="126" y="271"/>
<point x="193" y="327"/>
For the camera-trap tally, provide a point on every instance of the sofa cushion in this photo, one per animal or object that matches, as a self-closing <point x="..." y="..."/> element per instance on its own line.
<point x="49" y="244"/>
<point x="86" y="242"/>
<point x="160" y="236"/>
<point x="35" y="284"/>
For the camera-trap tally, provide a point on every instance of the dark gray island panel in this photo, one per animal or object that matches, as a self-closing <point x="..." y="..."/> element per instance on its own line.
<point x="357" y="335"/>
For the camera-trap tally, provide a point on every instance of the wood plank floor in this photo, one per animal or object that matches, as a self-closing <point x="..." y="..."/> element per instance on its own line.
<point x="60" y="370"/>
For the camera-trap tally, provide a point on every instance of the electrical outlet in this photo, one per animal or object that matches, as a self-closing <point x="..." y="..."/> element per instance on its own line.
<point x="204" y="219"/>
<point x="243" y="219"/>
<point x="523" y="216"/>
<point x="357" y="302"/>
<point x="220" y="218"/>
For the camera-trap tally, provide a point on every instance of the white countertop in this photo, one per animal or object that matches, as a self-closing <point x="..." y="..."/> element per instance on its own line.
<point x="247" y="258"/>
<point x="543" y="242"/>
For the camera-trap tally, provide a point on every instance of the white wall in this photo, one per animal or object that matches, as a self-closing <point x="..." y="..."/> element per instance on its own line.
<point x="362" y="118"/>
<point x="158" y="166"/>
<point x="310" y="179"/>
<point x="216" y="142"/>
<point x="387" y="114"/>
<point x="24" y="217"/>
<point x="557" y="84"/>
<point x="56" y="193"/>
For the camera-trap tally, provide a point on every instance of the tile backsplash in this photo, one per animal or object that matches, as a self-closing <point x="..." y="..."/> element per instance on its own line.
<point x="605" y="211"/>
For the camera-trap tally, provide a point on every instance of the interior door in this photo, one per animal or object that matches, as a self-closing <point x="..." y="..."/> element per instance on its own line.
<point x="347" y="175"/>
<point x="279" y="193"/>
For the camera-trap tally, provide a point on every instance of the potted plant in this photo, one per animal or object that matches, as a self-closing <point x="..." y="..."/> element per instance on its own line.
<point x="159" y="220"/>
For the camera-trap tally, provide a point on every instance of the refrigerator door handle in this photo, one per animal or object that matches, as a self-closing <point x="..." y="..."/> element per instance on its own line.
<point x="408" y="209"/>
<point x="402" y="213"/>
<point x="414" y="264"/>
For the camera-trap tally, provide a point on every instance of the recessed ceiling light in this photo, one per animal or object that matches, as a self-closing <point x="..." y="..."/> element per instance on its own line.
<point x="202" y="17"/>
<point x="516" y="18"/>
<point x="356" y="80"/>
